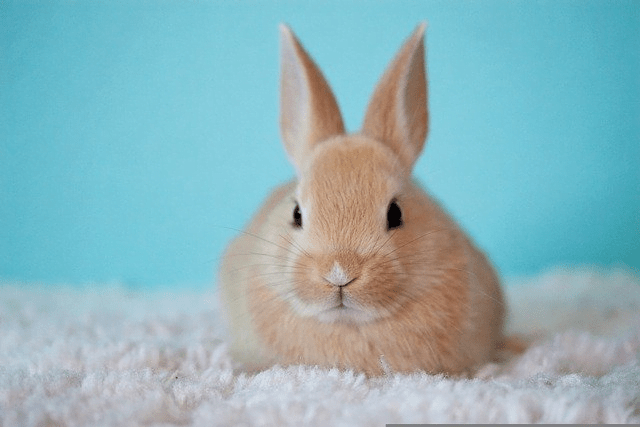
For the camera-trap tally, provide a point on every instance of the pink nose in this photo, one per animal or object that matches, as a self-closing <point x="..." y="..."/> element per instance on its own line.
<point x="337" y="276"/>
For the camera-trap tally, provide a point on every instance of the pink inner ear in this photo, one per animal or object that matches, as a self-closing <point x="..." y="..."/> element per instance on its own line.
<point x="415" y="94"/>
<point x="309" y="112"/>
<point x="294" y="103"/>
<point x="397" y="113"/>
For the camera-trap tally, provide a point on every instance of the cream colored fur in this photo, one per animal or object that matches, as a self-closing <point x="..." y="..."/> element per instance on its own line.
<point x="344" y="290"/>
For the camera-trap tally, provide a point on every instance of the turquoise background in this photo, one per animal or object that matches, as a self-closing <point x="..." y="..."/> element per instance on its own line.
<point x="134" y="135"/>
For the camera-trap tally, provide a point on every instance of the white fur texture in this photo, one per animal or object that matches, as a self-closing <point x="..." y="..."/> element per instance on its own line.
<point x="104" y="355"/>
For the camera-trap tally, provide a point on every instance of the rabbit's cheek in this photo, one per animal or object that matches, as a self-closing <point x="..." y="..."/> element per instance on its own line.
<point x="312" y="292"/>
<point x="382" y="286"/>
<point x="378" y="298"/>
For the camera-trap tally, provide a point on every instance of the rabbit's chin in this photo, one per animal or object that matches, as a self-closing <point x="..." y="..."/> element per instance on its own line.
<point x="344" y="310"/>
<point x="343" y="314"/>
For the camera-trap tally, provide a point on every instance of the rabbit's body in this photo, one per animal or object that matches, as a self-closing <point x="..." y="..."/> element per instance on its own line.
<point x="353" y="265"/>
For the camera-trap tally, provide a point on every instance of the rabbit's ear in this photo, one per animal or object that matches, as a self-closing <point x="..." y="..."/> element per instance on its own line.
<point x="309" y="113"/>
<point x="397" y="112"/>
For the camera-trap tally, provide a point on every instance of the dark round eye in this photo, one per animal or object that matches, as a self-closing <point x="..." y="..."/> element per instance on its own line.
<point x="297" y="217"/>
<point x="394" y="216"/>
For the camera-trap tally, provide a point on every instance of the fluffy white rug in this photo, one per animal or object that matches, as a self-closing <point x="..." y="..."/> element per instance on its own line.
<point x="105" y="355"/>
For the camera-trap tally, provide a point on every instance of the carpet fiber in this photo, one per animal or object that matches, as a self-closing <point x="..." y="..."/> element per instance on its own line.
<point x="112" y="356"/>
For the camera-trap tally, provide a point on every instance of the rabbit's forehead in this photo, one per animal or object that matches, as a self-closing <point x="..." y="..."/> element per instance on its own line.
<point x="350" y="171"/>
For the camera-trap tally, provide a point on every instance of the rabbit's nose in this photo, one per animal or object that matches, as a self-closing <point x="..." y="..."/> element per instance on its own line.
<point x="337" y="276"/>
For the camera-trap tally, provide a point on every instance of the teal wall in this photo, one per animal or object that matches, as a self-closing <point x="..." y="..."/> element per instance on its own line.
<point x="133" y="133"/>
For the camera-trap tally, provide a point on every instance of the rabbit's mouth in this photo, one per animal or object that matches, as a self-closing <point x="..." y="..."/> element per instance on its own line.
<point x="347" y="303"/>
<point x="346" y="313"/>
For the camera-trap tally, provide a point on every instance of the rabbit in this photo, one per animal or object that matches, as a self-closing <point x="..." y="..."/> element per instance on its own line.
<point x="352" y="264"/>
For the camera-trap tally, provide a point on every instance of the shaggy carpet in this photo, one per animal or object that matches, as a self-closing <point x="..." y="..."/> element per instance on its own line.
<point x="111" y="356"/>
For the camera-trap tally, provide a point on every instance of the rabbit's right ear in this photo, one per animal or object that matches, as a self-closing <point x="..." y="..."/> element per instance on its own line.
<point x="397" y="113"/>
<point x="309" y="113"/>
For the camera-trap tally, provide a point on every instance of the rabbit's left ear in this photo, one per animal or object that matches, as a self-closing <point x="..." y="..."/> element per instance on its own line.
<point x="397" y="113"/>
<point x="309" y="113"/>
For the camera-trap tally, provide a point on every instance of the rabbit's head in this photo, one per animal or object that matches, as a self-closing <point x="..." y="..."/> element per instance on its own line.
<point x="354" y="220"/>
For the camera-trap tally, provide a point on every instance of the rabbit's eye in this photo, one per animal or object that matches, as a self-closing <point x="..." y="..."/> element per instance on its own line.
<point x="394" y="216"/>
<point x="297" y="217"/>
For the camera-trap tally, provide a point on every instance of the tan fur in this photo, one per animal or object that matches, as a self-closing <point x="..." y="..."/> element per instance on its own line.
<point x="397" y="112"/>
<point x="418" y="297"/>
<point x="312" y="118"/>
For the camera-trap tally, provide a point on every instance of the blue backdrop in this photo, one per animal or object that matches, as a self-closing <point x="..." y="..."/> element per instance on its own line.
<point x="133" y="133"/>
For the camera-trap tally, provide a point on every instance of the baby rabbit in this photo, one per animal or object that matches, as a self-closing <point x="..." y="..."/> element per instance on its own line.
<point x="352" y="265"/>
